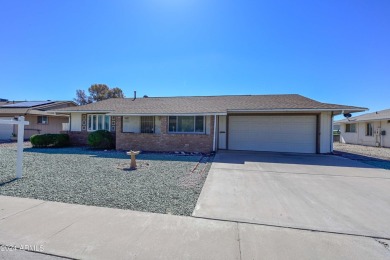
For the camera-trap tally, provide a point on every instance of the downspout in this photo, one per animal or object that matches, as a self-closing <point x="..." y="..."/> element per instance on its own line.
<point x="70" y="122"/>
<point x="380" y="133"/>
<point x="331" y="132"/>
<point x="215" y="130"/>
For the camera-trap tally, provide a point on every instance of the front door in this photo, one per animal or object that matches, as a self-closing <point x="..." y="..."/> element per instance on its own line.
<point x="222" y="132"/>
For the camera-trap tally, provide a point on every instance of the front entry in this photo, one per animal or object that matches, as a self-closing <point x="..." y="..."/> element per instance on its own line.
<point x="222" y="132"/>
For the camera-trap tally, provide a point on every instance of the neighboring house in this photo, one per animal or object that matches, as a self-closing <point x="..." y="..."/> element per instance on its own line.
<point x="336" y="127"/>
<point x="37" y="113"/>
<point x="280" y="123"/>
<point x="336" y="132"/>
<point x="372" y="129"/>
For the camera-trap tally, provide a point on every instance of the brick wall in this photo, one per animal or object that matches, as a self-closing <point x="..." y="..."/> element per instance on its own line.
<point x="164" y="142"/>
<point x="77" y="138"/>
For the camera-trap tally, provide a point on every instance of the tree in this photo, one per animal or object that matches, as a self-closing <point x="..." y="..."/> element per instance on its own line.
<point x="82" y="98"/>
<point x="97" y="92"/>
<point x="115" y="93"/>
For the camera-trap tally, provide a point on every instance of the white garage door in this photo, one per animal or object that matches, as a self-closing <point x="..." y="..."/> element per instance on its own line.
<point x="273" y="133"/>
<point x="5" y="130"/>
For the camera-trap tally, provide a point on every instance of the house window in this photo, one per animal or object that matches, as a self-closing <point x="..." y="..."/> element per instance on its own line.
<point x="147" y="124"/>
<point x="350" y="128"/>
<point x="98" y="122"/>
<point x="369" y="129"/>
<point x="43" y="120"/>
<point x="186" y="124"/>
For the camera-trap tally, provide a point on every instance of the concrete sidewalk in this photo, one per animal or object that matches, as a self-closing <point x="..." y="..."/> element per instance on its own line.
<point x="86" y="232"/>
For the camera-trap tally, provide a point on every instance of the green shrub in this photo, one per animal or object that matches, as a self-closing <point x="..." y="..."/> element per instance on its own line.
<point x="101" y="139"/>
<point x="61" y="140"/>
<point x="50" y="140"/>
<point x="39" y="141"/>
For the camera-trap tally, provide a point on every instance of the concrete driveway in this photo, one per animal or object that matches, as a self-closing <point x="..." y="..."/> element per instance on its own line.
<point x="314" y="192"/>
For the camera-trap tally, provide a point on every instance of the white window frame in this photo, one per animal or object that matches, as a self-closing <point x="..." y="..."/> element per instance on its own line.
<point x="369" y="129"/>
<point x="43" y="122"/>
<point x="354" y="124"/>
<point x="95" y="126"/>
<point x="194" y="132"/>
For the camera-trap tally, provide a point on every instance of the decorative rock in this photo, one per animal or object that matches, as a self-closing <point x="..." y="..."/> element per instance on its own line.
<point x="162" y="182"/>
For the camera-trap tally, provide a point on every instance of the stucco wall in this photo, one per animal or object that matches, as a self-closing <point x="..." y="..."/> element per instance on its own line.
<point x="348" y="138"/>
<point x="326" y="143"/>
<point x="386" y="138"/>
<point x="359" y="137"/>
<point x="131" y="124"/>
<point x="75" y="121"/>
<point x="54" y="125"/>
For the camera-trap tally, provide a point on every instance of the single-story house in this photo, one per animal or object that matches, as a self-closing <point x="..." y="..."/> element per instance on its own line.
<point x="41" y="120"/>
<point x="280" y="123"/>
<point x="371" y="129"/>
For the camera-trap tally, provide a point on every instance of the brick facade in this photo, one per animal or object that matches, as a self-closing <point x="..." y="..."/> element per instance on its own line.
<point x="77" y="138"/>
<point x="164" y="142"/>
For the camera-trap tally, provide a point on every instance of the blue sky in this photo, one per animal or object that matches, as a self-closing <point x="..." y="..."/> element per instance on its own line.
<point x="331" y="51"/>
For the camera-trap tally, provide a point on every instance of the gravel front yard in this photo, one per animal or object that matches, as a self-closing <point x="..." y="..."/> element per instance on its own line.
<point x="376" y="156"/>
<point x="163" y="183"/>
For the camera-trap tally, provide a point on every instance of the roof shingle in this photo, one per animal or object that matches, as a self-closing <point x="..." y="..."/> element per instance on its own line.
<point x="207" y="104"/>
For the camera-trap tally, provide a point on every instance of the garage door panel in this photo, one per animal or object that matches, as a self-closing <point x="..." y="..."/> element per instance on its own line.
<point x="5" y="130"/>
<point x="273" y="133"/>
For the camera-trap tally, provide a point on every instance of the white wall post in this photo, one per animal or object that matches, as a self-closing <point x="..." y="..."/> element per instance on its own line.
<point x="19" y="158"/>
<point x="331" y="134"/>
<point x="215" y="134"/>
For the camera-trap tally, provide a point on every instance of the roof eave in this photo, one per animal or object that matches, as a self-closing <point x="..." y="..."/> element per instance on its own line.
<point x="336" y="110"/>
<point x="45" y="113"/>
<point x="351" y="110"/>
<point x="81" y="111"/>
<point x="169" y="114"/>
<point x="362" y="120"/>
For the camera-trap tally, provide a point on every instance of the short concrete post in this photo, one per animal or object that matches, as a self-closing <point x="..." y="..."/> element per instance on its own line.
<point x="133" y="163"/>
